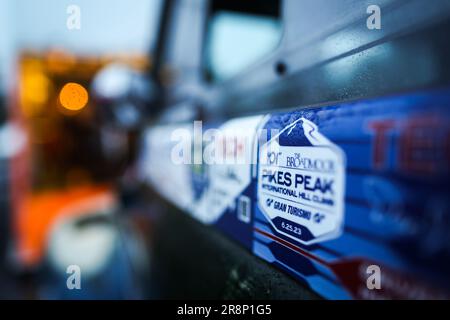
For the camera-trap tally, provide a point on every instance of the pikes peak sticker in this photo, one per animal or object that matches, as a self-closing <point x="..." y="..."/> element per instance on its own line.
<point x="301" y="183"/>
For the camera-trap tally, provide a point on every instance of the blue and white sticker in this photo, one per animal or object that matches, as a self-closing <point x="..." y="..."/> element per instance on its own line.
<point x="301" y="183"/>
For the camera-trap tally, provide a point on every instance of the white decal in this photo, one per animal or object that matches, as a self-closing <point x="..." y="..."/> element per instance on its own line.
<point x="227" y="181"/>
<point x="301" y="184"/>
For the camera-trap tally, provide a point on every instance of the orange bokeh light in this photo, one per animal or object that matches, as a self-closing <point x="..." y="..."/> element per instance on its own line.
<point x="73" y="96"/>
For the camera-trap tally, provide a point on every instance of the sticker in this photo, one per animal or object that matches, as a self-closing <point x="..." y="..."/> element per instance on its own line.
<point x="301" y="183"/>
<point x="155" y="166"/>
<point x="243" y="209"/>
<point x="228" y="179"/>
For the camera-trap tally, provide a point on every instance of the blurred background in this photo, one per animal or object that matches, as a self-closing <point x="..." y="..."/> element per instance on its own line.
<point x="59" y="170"/>
<point x="83" y="82"/>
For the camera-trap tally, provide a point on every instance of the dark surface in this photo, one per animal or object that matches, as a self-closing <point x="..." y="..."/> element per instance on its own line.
<point x="193" y="261"/>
